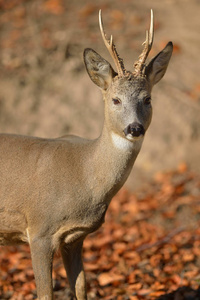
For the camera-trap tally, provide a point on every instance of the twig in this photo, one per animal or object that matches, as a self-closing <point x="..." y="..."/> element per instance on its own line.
<point x="164" y="240"/>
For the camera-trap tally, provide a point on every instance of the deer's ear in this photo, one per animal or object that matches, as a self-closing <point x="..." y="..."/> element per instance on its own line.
<point x="157" y="67"/>
<point x="99" y="70"/>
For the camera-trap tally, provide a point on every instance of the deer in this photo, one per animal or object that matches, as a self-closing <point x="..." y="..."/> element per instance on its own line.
<point x="54" y="192"/>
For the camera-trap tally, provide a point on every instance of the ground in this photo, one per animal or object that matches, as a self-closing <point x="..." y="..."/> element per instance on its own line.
<point x="45" y="91"/>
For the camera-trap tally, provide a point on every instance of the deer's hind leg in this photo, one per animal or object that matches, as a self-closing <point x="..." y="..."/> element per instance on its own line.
<point x="72" y="259"/>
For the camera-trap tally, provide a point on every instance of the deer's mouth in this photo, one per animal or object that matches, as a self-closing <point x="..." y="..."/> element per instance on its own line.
<point x="134" y="138"/>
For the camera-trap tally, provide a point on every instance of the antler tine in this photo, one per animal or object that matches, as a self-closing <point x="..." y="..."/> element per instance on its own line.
<point x="151" y="31"/>
<point x="147" y="47"/>
<point x="112" y="49"/>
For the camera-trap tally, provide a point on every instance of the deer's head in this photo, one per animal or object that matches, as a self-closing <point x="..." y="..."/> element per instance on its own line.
<point x="127" y="95"/>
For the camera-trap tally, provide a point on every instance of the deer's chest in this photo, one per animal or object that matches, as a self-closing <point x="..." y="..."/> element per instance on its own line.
<point x="84" y="221"/>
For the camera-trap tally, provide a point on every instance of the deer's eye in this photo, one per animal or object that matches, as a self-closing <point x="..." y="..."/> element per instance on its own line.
<point x="116" y="101"/>
<point x="147" y="100"/>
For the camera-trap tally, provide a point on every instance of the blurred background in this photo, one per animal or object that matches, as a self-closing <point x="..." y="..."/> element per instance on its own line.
<point x="149" y="245"/>
<point x="45" y="90"/>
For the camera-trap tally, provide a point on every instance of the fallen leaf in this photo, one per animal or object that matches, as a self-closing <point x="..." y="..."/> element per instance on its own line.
<point x="108" y="278"/>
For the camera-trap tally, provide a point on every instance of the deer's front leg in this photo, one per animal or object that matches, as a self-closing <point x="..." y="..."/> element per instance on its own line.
<point x="42" y="256"/>
<point x="72" y="259"/>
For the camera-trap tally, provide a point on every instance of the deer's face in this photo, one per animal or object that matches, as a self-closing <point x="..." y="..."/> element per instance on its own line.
<point x="128" y="109"/>
<point x="127" y="96"/>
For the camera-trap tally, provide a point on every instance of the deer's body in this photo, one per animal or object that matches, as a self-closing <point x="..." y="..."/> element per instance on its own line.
<point x="53" y="192"/>
<point x="44" y="187"/>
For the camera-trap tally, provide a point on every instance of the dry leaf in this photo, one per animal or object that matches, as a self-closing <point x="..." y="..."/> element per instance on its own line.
<point x="108" y="278"/>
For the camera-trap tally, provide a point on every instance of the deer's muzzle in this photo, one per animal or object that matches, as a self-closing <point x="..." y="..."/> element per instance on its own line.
<point x="135" y="130"/>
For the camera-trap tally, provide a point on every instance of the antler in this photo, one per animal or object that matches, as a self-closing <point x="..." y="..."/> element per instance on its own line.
<point x="139" y="64"/>
<point x="112" y="49"/>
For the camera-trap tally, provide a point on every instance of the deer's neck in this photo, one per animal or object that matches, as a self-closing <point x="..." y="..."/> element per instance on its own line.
<point x="112" y="162"/>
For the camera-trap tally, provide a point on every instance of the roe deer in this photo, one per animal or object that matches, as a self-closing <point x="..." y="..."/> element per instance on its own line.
<point x="54" y="192"/>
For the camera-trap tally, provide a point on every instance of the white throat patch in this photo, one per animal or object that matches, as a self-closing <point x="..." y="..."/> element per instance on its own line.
<point x="124" y="144"/>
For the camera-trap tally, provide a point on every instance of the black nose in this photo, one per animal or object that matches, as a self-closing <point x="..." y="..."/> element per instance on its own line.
<point x="135" y="129"/>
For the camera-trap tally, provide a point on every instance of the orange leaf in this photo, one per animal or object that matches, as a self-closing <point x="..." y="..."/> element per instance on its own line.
<point x="87" y="10"/>
<point x="108" y="278"/>
<point x="144" y="292"/>
<point x="54" y="6"/>
<point x="91" y="267"/>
